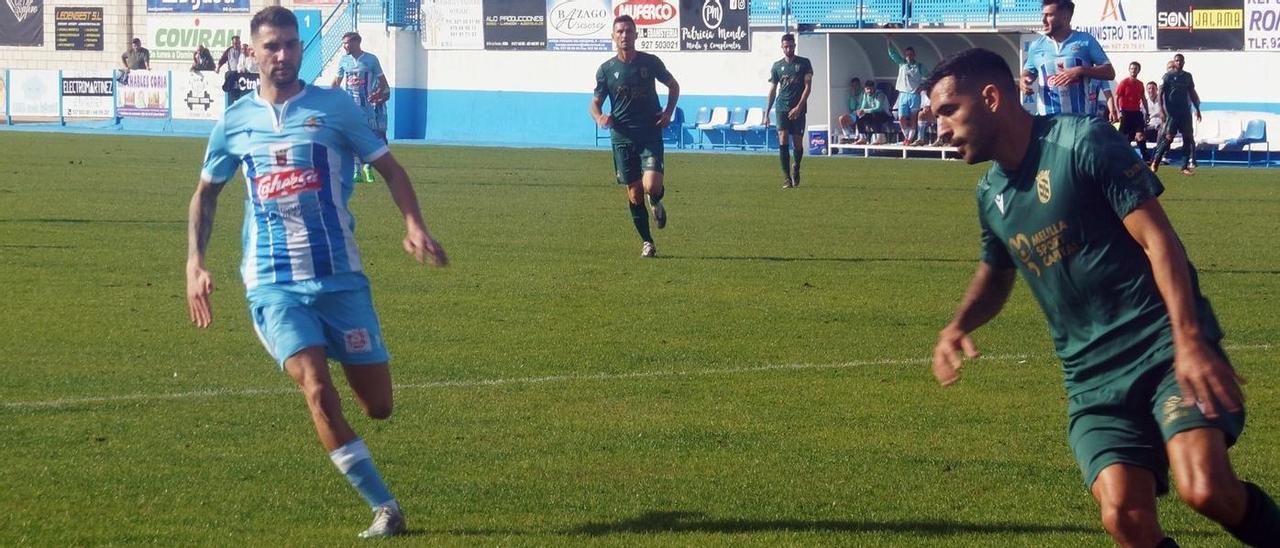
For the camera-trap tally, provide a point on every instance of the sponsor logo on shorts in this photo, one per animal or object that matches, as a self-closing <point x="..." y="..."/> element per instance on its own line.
<point x="286" y="183"/>
<point x="357" y="341"/>
<point x="1174" y="410"/>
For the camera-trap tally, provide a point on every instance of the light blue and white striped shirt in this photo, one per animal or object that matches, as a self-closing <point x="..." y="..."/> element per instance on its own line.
<point x="1045" y="57"/>
<point x="297" y="160"/>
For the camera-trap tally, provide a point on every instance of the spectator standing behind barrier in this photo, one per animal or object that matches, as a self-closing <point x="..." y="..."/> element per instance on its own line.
<point x="248" y="63"/>
<point x="134" y="58"/>
<point x="1133" y="110"/>
<point x="1177" y="97"/>
<point x="1062" y="62"/>
<point x="230" y="56"/>
<point x="1155" y="121"/>
<point x="636" y="120"/>
<point x="202" y="59"/>
<point x="910" y="74"/>
<point x="790" y="79"/>
<point x="360" y="75"/>
<point x="848" y="122"/>
<point x="872" y="114"/>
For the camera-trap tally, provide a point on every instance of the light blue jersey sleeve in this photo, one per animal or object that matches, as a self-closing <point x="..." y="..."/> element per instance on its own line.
<point x="355" y="127"/>
<point x="342" y="67"/>
<point x="375" y="69"/>
<point x="219" y="163"/>
<point x="1094" y="51"/>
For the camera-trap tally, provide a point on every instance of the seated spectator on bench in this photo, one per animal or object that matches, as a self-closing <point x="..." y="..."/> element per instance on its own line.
<point x="1155" y="120"/>
<point x="873" y="114"/>
<point x="848" y="122"/>
<point x="927" y="124"/>
<point x="202" y="59"/>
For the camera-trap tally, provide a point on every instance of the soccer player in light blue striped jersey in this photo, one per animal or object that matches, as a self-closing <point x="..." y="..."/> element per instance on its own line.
<point x="308" y="297"/>
<point x="1061" y="64"/>
<point x="360" y="74"/>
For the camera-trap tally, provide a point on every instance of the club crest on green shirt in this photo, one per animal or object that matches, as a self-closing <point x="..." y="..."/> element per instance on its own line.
<point x="1044" y="190"/>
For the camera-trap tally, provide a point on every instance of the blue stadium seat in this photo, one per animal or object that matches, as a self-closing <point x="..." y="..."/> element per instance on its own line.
<point x="1255" y="132"/>
<point x="719" y="121"/>
<point x="737" y="117"/>
<point x="753" y="124"/>
<point x="673" y="134"/>
<point x="703" y="116"/>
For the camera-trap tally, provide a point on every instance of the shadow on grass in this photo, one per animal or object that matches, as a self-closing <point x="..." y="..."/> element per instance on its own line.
<point x="697" y="522"/>
<point x="769" y="258"/>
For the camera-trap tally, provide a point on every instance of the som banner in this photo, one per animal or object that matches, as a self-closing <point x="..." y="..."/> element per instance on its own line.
<point x="1200" y="24"/>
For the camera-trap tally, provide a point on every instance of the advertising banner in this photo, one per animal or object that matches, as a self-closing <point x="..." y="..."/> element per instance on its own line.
<point x="316" y="2"/>
<point x="515" y="24"/>
<point x="77" y="29"/>
<point x="3" y="104"/>
<point x="33" y="93"/>
<point x="87" y="94"/>
<point x="714" y="25"/>
<point x="1200" y="24"/>
<point x="197" y="6"/>
<point x="1119" y="25"/>
<point x="452" y="24"/>
<point x="579" y="25"/>
<point x="1262" y="25"/>
<point x="173" y="38"/>
<point x="145" y="94"/>
<point x="657" y="23"/>
<point x="198" y="95"/>
<point x="238" y="84"/>
<point x="22" y="23"/>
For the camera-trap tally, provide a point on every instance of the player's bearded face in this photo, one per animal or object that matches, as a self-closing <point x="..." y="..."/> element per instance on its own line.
<point x="278" y="52"/>
<point x="1054" y="20"/>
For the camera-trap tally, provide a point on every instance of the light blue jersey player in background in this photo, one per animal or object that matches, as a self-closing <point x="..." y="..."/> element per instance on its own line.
<point x="308" y="297"/>
<point x="360" y="75"/>
<point x="1061" y="64"/>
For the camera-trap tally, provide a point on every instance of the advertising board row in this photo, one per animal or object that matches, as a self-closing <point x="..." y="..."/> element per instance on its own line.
<point x="1151" y="25"/>
<point x="585" y="25"/>
<point x="141" y="94"/>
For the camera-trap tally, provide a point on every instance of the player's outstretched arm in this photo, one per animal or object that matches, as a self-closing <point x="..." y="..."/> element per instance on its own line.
<point x="417" y="240"/>
<point x="1201" y="373"/>
<point x="982" y="301"/>
<point x="204" y="203"/>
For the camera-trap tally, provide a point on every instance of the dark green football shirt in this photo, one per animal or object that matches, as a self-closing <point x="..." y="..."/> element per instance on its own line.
<point x="1176" y="90"/>
<point x="1058" y="219"/>
<point x="633" y="97"/>
<point x="790" y="80"/>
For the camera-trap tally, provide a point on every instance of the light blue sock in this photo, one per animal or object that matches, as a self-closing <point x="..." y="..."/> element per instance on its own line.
<point x="354" y="461"/>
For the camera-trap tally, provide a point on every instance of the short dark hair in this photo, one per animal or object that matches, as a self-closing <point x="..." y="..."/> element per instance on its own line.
<point x="273" y="16"/>
<point x="973" y="68"/>
<point x="1062" y="4"/>
<point x="1153" y="83"/>
<point x="869" y="83"/>
<point x="855" y="80"/>
<point x="788" y="37"/>
<point x="351" y="35"/>
<point x="137" y="41"/>
<point x="1136" y="63"/>
<point x="625" y="19"/>
<point x="1179" y="57"/>
<point x="909" y="48"/>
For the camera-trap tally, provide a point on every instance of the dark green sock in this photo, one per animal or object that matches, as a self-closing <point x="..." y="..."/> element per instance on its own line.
<point x="795" y="171"/>
<point x="655" y="197"/>
<point x="784" y="154"/>
<point x="640" y="216"/>
<point x="1261" y="524"/>
<point x="1161" y="148"/>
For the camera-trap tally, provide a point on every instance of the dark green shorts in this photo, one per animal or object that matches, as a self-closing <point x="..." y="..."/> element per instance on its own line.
<point x="789" y="126"/>
<point x="1181" y="125"/>
<point x="631" y="160"/>
<point x="1129" y="422"/>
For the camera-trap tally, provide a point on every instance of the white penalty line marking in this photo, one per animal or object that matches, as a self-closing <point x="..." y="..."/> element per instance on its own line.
<point x="216" y="393"/>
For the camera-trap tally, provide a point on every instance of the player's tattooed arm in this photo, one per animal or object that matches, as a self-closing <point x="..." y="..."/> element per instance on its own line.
<point x="204" y="203"/>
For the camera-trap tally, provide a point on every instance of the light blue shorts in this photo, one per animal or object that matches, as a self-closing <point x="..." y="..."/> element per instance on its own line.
<point x="908" y="104"/>
<point x="335" y="312"/>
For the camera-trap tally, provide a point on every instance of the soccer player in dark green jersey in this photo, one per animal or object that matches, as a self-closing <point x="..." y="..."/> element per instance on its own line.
<point x="1177" y="96"/>
<point x="636" y="119"/>
<point x="790" y="80"/>
<point x="1149" y="388"/>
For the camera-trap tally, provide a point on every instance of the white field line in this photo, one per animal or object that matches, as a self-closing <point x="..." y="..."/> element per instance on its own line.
<point x="226" y="392"/>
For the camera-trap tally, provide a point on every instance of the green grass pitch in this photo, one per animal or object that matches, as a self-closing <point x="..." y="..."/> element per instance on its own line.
<point x="762" y="383"/>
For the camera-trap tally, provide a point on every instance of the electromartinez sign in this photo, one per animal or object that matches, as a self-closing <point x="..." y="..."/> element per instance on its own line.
<point x="1200" y="24"/>
<point x="175" y="37"/>
<point x="198" y="6"/>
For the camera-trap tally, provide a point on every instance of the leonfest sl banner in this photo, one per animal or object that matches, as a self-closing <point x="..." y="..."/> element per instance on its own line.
<point x="175" y="37"/>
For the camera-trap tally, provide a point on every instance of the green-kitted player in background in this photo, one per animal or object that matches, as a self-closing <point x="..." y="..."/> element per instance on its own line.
<point x="636" y="119"/>
<point x="1177" y="97"/>
<point x="791" y="78"/>
<point x="1149" y="388"/>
